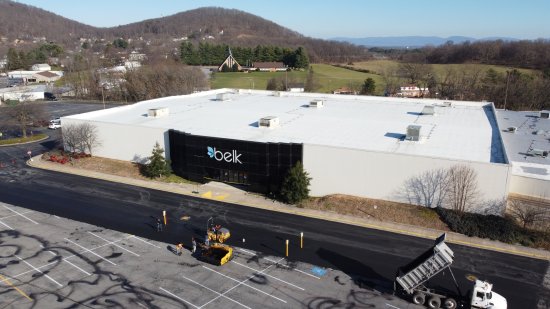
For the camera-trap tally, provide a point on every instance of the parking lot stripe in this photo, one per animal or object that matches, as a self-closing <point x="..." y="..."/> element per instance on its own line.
<point x="38" y="270"/>
<point x="243" y="282"/>
<point x="249" y="252"/>
<point x="82" y="270"/>
<point x="176" y="296"/>
<point x="303" y="272"/>
<point x="22" y="215"/>
<point x="4" y="224"/>
<point x="68" y="257"/>
<point x="144" y="241"/>
<point x="219" y="294"/>
<point x="89" y="250"/>
<point x="270" y="276"/>
<point x="114" y="244"/>
<point x="5" y="280"/>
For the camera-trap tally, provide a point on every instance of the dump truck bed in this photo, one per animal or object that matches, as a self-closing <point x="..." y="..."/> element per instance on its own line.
<point x="216" y="254"/>
<point x="426" y="266"/>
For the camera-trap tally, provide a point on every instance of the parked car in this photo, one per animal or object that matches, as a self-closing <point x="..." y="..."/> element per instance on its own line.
<point x="50" y="96"/>
<point x="54" y="125"/>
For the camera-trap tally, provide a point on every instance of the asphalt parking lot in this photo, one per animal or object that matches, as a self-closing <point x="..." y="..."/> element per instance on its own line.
<point x="51" y="262"/>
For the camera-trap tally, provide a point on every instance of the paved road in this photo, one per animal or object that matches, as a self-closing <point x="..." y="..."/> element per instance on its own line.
<point x="370" y="256"/>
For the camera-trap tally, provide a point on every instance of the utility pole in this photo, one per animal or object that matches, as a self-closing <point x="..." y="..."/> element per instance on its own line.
<point x="506" y="91"/>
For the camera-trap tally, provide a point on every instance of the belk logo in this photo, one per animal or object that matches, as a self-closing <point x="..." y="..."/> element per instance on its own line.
<point x="229" y="156"/>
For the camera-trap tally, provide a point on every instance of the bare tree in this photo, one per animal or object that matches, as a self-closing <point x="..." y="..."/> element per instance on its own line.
<point x="81" y="137"/>
<point x="24" y="114"/>
<point x="528" y="215"/>
<point x="462" y="190"/>
<point x="428" y="189"/>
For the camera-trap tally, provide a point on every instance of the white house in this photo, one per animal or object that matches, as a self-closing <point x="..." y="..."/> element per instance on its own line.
<point x="41" y="67"/>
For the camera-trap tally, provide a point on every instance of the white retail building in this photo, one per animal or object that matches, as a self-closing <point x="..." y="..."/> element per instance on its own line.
<point x="357" y="145"/>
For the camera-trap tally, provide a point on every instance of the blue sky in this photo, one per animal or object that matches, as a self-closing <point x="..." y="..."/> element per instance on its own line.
<point x="527" y="19"/>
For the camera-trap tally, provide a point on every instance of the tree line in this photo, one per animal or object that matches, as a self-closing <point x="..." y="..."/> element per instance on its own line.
<point x="214" y="54"/>
<point x="19" y="59"/>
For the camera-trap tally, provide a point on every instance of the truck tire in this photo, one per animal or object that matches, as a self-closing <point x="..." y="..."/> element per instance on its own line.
<point x="434" y="302"/>
<point x="450" y="303"/>
<point x="419" y="298"/>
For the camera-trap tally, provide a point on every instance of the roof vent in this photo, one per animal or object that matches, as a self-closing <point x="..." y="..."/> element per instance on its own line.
<point x="222" y="96"/>
<point x="157" y="112"/>
<point x="317" y="103"/>
<point x="269" y="122"/>
<point x="276" y="93"/>
<point x="428" y="110"/>
<point x="448" y="104"/>
<point x="413" y="132"/>
<point x="545" y="114"/>
<point x="512" y="129"/>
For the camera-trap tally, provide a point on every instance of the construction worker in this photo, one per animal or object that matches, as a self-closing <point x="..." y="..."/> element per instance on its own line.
<point x="194" y="243"/>
<point x="159" y="225"/>
<point x="179" y="248"/>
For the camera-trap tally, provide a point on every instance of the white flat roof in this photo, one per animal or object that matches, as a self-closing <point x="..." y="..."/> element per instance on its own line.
<point x="532" y="132"/>
<point x="463" y="131"/>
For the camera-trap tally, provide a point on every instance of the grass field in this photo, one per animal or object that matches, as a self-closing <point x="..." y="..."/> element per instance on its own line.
<point x="328" y="77"/>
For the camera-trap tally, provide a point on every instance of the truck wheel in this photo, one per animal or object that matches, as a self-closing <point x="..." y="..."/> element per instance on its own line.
<point x="434" y="302"/>
<point x="449" y="303"/>
<point x="419" y="298"/>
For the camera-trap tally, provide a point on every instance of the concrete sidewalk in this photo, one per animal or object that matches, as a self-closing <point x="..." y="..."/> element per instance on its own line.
<point x="222" y="192"/>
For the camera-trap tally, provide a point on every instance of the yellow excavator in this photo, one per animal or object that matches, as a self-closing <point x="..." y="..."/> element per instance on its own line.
<point x="214" y="250"/>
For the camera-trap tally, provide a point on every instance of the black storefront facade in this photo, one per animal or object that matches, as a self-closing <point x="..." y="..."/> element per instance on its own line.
<point x="260" y="167"/>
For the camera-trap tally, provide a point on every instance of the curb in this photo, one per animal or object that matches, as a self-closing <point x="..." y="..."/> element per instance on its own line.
<point x="398" y="228"/>
<point x="38" y="140"/>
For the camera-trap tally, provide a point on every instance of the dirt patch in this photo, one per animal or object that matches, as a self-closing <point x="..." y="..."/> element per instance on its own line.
<point x="377" y="209"/>
<point x="109" y="166"/>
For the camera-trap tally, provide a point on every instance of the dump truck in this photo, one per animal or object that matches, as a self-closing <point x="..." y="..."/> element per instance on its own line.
<point x="411" y="278"/>
<point x="213" y="250"/>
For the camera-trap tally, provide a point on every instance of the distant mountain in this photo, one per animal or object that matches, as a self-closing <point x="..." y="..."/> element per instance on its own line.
<point x="212" y="25"/>
<point x="412" y="41"/>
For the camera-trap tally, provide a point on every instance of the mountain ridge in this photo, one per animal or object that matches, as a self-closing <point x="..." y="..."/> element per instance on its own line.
<point x="414" y="41"/>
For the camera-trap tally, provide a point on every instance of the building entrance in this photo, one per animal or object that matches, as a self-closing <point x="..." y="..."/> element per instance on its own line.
<point x="229" y="176"/>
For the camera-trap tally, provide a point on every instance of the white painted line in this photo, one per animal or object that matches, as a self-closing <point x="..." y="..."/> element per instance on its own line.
<point x="70" y="256"/>
<point x="246" y="251"/>
<point x="270" y="276"/>
<point x="89" y="250"/>
<point x="270" y="260"/>
<point x="56" y="217"/>
<point x="4" y="224"/>
<point x="141" y="305"/>
<point x="82" y="270"/>
<point x="144" y="241"/>
<point x="22" y="215"/>
<point x="174" y="295"/>
<point x="388" y="305"/>
<point x="303" y="272"/>
<point x="219" y="294"/>
<point x="38" y="270"/>
<point x="243" y="283"/>
<point x="114" y="244"/>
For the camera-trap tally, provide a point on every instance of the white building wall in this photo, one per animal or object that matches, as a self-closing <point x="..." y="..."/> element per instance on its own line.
<point x="381" y="175"/>
<point x="125" y="142"/>
<point x="534" y="187"/>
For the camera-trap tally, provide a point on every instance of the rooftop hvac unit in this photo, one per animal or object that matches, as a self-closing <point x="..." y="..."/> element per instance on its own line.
<point x="269" y="122"/>
<point x="545" y="114"/>
<point x="448" y="104"/>
<point x="276" y="93"/>
<point x="428" y="110"/>
<point x="512" y="129"/>
<point x="157" y="112"/>
<point x="316" y="103"/>
<point x="539" y="153"/>
<point x="413" y="132"/>
<point x="222" y="96"/>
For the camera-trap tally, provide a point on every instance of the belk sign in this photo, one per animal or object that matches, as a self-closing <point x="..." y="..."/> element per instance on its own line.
<point x="228" y="156"/>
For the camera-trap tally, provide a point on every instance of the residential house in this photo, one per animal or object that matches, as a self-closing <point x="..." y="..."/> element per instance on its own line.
<point x="413" y="91"/>
<point x="269" y="66"/>
<point x="295" y="87"/>
<point x="41" y="67"/>
<point x="344" y="90"/>
<point x="46" y="77"/>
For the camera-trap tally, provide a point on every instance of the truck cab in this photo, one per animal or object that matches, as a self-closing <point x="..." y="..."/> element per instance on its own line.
<point x="484" y="297"/>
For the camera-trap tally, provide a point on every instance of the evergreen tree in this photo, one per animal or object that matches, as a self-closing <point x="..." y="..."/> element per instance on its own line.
<point x="301" y="60"/>
<point x="369" y="86"/>
<point x="157" y="166"/>
<point x="295" y="187"/>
